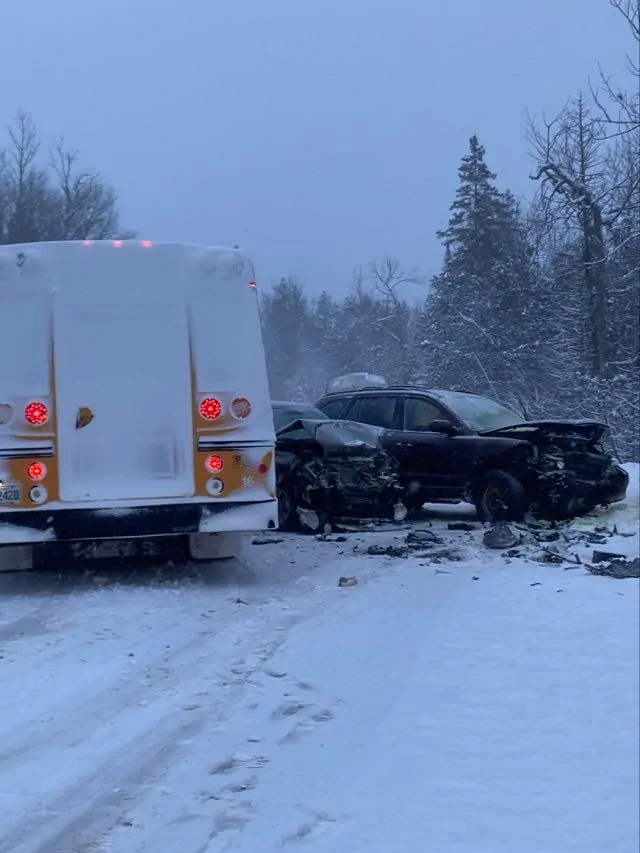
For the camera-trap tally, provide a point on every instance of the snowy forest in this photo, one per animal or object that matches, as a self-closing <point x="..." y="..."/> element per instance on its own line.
<point x="536" y="304"/>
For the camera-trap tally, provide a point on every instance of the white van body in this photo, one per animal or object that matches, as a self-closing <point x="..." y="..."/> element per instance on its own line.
<point x="134" y="398"/>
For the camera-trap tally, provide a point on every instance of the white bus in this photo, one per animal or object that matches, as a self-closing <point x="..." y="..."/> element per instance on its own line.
<point x="134" y="399"/>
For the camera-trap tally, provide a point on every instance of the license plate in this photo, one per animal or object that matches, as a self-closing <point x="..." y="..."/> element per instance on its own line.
<point x="10" y="494"/>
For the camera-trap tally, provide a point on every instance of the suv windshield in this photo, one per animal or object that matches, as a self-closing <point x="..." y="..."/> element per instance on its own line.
<point x="285" y="415"/>
<point x="479" y="412"/>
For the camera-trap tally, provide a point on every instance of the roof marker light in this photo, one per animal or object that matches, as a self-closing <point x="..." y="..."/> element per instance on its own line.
<point x="117" y="244"/>
<point x="146" y="244"/>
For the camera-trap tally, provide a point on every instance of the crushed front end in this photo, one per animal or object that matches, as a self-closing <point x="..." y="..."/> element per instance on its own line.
<point x="338" y="469"/>
<point x="571" y="474"/>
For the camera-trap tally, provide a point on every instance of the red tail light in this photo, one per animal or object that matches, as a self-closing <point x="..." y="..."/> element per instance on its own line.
<point x="36" y="414"/>
<point x="240" y="408"/>
<point x="262" y="468"/>
<point x="210" y="408"/>
<point x="37" y="471"/>
<point x="214" y="464"/>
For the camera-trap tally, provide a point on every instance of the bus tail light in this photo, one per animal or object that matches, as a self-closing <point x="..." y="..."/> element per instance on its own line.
<point x="36" y="413"/>
<point x="210" y="408"/>
<point x="240" y="408"/>
<point x="215" y="464"/>
<point x="37" y="471"/>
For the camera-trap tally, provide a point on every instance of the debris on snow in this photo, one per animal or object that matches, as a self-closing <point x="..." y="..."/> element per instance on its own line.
<point x="344" y="581"/>
<point x="617" y="568"/>
<point x="462" y="525"/>
<point x="422" y="537"/>
<point x="441" y="554"/>
<point x="266" y="541"/>
<point x="501" y="537"/>
<point x="605" y="557"/>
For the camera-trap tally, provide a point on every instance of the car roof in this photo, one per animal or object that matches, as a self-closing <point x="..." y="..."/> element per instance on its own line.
<point x="286" y="404"/>
<point x="413" y="389"/>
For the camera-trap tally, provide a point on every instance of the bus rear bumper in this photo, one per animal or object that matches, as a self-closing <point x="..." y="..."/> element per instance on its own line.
<point x="72" y="525"/>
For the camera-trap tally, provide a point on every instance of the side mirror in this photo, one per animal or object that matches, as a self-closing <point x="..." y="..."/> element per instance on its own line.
<point x="444" y="427"/>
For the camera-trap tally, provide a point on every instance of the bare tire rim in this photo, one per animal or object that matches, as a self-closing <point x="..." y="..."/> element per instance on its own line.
<point x="284" y="506"/>
<point x="493" y="501"/>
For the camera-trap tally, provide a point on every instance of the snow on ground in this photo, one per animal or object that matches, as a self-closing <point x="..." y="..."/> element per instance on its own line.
<point x="474" y="705"/>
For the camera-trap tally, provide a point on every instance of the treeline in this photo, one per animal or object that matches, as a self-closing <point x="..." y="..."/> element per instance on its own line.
<point x="536" y="307"/>
<point x="45" y="195"/>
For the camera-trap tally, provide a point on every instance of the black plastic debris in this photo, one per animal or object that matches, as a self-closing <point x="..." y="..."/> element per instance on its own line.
<point x="547" y="535"/>
<point x="387" y="551"/>
<point x="619" y="568"/>
<point x="461" y="525"/>
<point x="420" y="538"/>
<point x="605" y="557"/>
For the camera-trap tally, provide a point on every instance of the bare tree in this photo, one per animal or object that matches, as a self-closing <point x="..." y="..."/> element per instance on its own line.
<point x="619" y="110"/>
<point x="87" y="204"/>
<point x="389" y="277"/>
<point x="587" y="185"/>
<point x="29" y="196"/>
<point x="33" y="207"/>
<point x="396" y="320"/>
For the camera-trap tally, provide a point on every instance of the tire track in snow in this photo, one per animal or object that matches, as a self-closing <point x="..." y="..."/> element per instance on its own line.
<point x="72" y="720"/>
<point x="137" y="763"/>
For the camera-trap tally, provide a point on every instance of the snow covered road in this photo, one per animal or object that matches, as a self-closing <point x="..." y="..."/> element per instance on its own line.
<point x="474" y="705"/>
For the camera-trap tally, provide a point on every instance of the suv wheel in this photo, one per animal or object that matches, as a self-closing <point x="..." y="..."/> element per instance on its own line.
<point x="286" y="508"/>
<point x="500" y="497"/>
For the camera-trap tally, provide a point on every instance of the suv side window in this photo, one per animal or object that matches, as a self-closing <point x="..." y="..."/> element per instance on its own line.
<point x="420" y="413"/>
<point x="378" y="411"/>
<point x="333" y="408"/>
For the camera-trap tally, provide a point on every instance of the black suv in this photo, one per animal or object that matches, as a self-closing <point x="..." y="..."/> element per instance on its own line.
<point x="453" y="446"/>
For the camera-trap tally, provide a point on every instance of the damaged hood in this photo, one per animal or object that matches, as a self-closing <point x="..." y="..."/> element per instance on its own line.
<point x="536" y="431"/>
<point x="337" y="438"/>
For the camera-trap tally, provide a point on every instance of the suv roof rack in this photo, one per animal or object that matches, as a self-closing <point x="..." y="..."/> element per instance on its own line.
<point x="396" y="387"/>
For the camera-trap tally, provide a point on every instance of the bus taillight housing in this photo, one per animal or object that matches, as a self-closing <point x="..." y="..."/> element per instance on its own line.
<point x="36" y="413"/>
<point x="240" y="408"/>
<point x="210" y="409"/>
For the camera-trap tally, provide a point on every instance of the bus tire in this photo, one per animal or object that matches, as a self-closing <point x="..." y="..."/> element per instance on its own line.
<point x="214" y="546"/>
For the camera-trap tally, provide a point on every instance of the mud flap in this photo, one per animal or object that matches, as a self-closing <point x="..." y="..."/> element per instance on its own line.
<point x="214" y="546"/>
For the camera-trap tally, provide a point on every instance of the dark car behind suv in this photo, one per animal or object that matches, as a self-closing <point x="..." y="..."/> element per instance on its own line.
<point x="453" y="446"/>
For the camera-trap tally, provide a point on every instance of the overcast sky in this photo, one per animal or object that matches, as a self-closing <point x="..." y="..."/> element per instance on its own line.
<point x="318" y="134"/>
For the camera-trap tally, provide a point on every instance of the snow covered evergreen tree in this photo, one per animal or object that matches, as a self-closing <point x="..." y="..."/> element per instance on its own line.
<point x="482" y="315"/>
